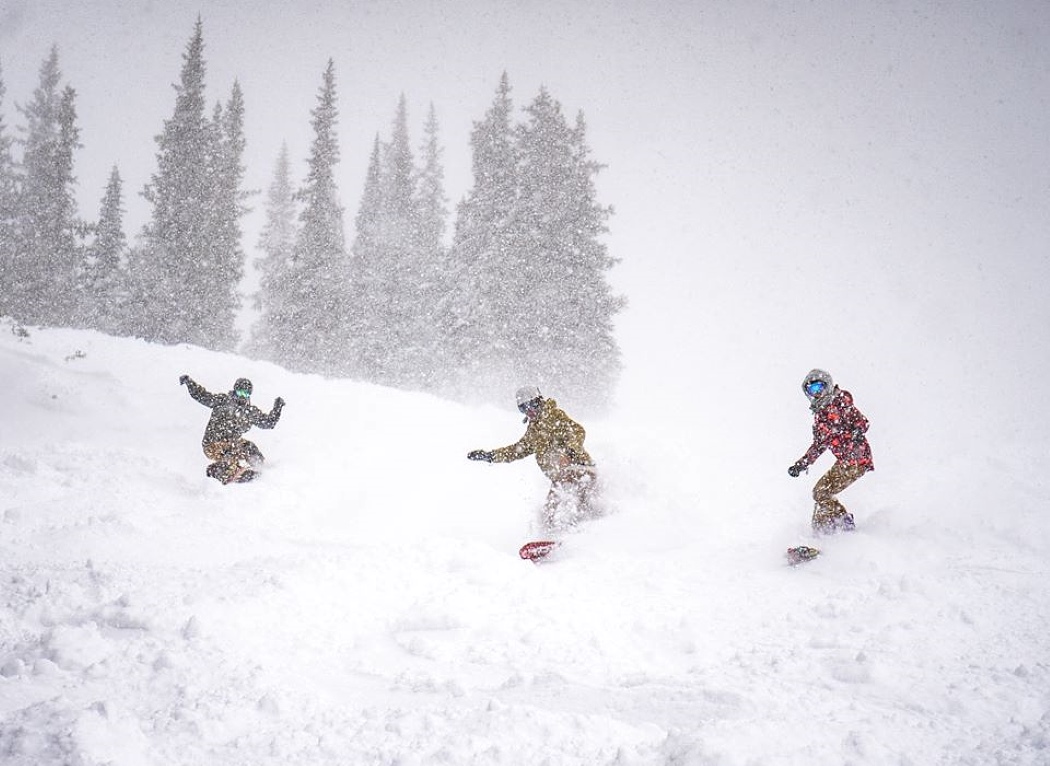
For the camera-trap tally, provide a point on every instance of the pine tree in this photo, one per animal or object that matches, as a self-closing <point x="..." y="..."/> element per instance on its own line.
<point x="563" y="327"/>
<point x="104" y="279"/>
<point x="191" y="257"/>
<point x="432" y="202"/>
<point x="8" y="210"/>
<point x="318" y="277"/>
<point x="365" y="355"/>
<point x="46" y="253"/>
<point x="478" y="344"/>
<point x="532" y="304"/>
<point x="277" y="242"/>
<point x="435" y="285"/>
<point x="226" y="259"/>
<point x="389" y="295"/>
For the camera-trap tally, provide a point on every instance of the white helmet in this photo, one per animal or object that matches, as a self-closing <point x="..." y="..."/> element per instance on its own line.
<point x="817" y="384"/>
<point x="526" y="394"/>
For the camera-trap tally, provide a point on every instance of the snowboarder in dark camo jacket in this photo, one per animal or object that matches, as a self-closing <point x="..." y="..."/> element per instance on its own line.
<point x="840" y="427"/>
<point x="232" y="415"/>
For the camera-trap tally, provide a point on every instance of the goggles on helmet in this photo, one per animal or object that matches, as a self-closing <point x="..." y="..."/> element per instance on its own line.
<point x="815" y="388"/>
<point x="530" y="406"/>
<point x="243" y="393"/>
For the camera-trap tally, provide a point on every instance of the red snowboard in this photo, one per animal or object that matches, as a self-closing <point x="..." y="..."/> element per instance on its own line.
<point x="537" y="549"/>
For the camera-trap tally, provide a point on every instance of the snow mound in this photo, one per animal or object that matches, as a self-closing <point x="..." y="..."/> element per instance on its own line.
<point x="364" y="602"/>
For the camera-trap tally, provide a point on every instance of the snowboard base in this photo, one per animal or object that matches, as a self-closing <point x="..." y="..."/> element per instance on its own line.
<point x="801" y="554"/>
<point x="537" y="549"/>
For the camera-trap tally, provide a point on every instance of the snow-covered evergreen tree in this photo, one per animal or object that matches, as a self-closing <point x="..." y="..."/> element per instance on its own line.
<point x="103" y="280"/>
<point x="432" y="201"/>
<point x="46" y="252"/>
<point x="435" y="282"/>
<point x="366" y="251"/>
<point x="399" y="265"/>
<point x="225" y="265"/>
<point x="531" y="302"/>
<point x="191" y="254"/>
<point x="318" y="279"/>
<point x="277" y="241"/>
<point x="477" y="342"/>
<point x="393" y="299"/>
<point x="8" y="200"/>
<point x="563" y="325"/>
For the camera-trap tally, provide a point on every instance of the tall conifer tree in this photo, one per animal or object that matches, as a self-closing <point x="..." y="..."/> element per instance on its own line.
<point x="277" y="241"/>
<point x="435" y="278"/>
<point x="104" y="281"/>
<point x="563" y="325"/>
<point x="387" y="274"/>
<point x="191" y="250"/>
<point x="318" y="278"/>
<point x="226" y="257"/>
<point x="175" y="241"/>
<point x="46" y="254"/>
<point x="8" y="210"/>
<point x="366" y="251"/>
<point x="532" y="303"/>
<point x="483" y="259"/>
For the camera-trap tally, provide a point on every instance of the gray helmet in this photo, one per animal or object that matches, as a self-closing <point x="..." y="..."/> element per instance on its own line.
<point x="526" y="394"/>
<point x="242" y="384"/>
<point x="817" y="384"/>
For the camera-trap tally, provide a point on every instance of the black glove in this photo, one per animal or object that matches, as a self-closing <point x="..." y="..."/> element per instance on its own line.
<point x="184" y="379"/>
<point x="794" y="470"/>
<point x="278" y="403"/>
<point x="480" y="454"/>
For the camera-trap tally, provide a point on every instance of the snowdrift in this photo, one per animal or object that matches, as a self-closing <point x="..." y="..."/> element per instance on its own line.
<point x="363" y="602"/>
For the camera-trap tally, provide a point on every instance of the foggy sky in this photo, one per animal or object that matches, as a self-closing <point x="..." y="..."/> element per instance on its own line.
<point x="796" y="184"/>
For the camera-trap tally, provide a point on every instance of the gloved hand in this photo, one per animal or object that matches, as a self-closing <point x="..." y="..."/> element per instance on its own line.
<point x="794" y="470"/>
<point x="480" y="454"/>
<point x="184" y="379"/>
<point x="278" y="403"/>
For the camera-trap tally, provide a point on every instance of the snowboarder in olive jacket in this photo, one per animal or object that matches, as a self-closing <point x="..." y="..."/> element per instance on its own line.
<point x="840" y="427"/>
<point x="556" y="440"/>
<point x="232" y="415"/>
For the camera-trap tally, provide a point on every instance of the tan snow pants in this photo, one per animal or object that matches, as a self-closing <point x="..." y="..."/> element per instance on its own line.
<point x="828" y="511"/>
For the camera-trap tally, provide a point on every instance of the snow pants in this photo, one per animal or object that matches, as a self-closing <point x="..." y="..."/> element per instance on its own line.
<point x="231" y="458"/>
<point x="829" y="514"/>
<point x="572" y="498"/>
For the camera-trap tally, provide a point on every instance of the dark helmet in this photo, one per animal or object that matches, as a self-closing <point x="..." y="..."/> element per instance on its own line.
<point x="817" y="384"/>
<point x="242" y="387"/>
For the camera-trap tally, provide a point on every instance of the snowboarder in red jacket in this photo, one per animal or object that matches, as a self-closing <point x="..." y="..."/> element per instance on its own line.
<point x="840" y="427"/>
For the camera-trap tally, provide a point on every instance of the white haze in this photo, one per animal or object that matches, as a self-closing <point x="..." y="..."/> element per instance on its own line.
<point x="860" y="187"/>
<point x="875" y="178"/>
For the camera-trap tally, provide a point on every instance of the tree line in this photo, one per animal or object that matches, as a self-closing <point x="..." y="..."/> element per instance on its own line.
<point x="517" y="294"/>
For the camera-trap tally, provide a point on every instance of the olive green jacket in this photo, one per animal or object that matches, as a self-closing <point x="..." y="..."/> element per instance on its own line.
<point x="554" y="438"/>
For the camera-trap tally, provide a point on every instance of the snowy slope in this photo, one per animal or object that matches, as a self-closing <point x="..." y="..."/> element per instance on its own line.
<point x="363" y="603"/>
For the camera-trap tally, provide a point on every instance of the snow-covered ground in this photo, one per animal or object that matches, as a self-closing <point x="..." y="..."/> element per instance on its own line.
<point x="363" y="603"/>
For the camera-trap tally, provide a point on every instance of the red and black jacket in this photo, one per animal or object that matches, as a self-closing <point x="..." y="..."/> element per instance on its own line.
<point x="839" y="426"/>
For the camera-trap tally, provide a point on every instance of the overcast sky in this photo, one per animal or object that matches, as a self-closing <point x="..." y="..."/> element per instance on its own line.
<point x="820" y="181"/>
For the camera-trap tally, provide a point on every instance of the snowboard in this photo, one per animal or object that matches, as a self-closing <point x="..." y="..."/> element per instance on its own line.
<point x="537" y="549"/>
<point x="801" y="554"/>
<point x="219" y="472"/>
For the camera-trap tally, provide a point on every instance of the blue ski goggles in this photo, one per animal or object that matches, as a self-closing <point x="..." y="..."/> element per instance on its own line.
<point x="242" y="394"/>
<point x="815" y="388"/>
